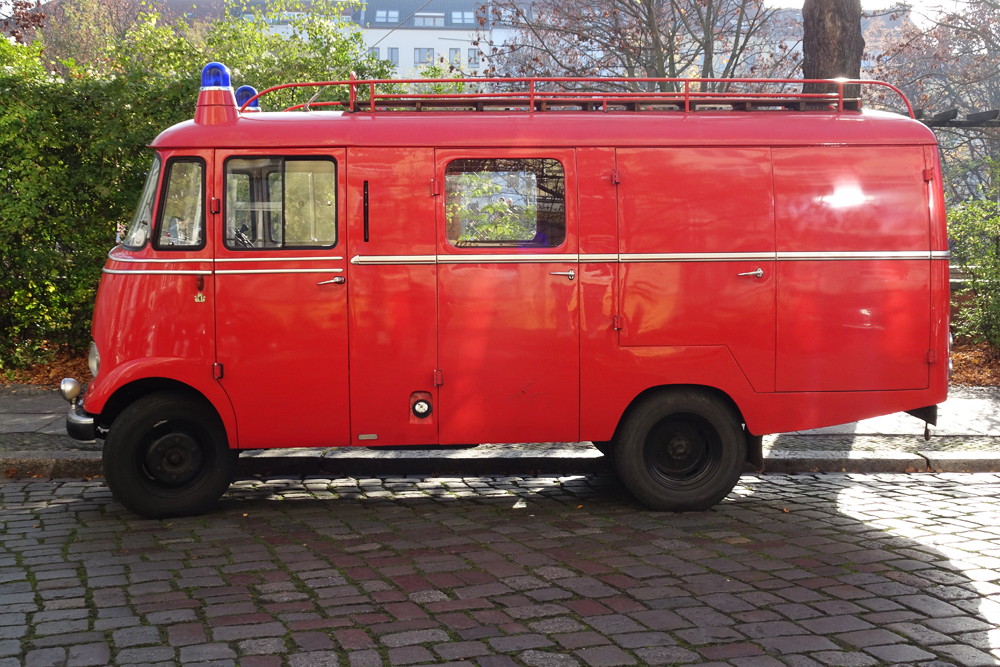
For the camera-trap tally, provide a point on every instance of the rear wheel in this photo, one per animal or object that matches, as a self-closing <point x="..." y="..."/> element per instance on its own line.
<point x="680" y="450"/>
<point x="167" y="455"/>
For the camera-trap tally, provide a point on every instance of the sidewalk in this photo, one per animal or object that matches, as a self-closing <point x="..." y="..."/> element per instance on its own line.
<point x="33" y="442"/>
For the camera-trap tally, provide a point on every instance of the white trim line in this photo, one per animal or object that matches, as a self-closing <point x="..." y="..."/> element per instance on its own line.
<point x="940" y="254"/>
<point x="157" y="261"/>
<point x="610" y="257"/>
<point x="865" y="255"/>
<point x="697" y="257"/>
<point x="506" y="259"/>
<point x="153" y="272"/>
<point x="393" y="259"/>
<point x="278" y="259"/>
<point x="279" y="271"/>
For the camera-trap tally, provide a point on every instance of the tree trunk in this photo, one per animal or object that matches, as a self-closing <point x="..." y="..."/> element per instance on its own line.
<point x="832" y="43"/>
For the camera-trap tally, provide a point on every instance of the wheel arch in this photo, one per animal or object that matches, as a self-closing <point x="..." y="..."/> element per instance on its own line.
<point x="755" y="451"/>
<point x="129" y="393"/>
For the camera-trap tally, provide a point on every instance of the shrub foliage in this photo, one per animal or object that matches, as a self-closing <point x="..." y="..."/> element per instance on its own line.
<point x="74" y="136"/>
<point x="974" y="229"/>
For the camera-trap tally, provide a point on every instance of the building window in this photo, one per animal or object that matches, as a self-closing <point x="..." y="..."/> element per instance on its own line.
<point x="455" y="57"/>
<point x="504" y="202"/>
<point x="423" y="56"/>
<point x="463" y="17"/>
<point x="383" y="16"/>
<point x="392" y="55"/>
<point x="428" y="20"/>
<point x="373" y="51"/>
<point x="473" y="57"/>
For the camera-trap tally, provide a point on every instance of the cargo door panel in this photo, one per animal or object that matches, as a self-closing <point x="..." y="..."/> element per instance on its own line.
<point x="697" y="252"/>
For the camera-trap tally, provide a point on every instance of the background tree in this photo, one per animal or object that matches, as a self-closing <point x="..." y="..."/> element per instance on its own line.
<point x="832" y="43"/>
<point x="640" y="38"/>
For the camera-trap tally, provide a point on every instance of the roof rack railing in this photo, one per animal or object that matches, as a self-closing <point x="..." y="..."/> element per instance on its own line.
<point x="533" y="95"/>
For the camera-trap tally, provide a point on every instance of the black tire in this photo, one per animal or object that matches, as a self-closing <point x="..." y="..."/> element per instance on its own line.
<point x="167" y="455"/>
<point x="680" y="450"/>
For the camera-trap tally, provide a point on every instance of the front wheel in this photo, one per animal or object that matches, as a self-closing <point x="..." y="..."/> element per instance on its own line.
<point x="680" y="450"/>
<point x="167" y="455"/>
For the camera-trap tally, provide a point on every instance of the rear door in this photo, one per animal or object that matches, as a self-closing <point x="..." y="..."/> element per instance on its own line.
<point x="697" y="251"/>
<point x="281" y="301"/>
<point x="508" y="297"/>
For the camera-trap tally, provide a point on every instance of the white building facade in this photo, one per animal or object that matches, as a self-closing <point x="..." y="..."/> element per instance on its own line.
<point x="412" y="35"/>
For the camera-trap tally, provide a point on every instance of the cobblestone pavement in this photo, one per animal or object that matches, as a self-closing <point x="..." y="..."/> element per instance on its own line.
<point x="790" y="571"/>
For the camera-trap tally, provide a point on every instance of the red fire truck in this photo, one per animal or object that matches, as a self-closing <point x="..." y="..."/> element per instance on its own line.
<point x="670" y="275"/>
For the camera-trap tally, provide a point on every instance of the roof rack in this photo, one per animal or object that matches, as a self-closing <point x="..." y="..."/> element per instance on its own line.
<point x="546" y="94"/>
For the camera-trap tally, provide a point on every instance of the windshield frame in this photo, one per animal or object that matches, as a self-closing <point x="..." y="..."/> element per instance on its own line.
<point x="148" y="199"/>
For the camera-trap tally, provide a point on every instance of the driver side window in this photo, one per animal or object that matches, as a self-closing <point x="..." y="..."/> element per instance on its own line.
<point x="274" y="203"/>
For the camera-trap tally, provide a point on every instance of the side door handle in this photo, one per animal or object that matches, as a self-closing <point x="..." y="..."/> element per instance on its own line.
<point x="339" y="280"/>
<point x="569" y="274"/>
<point x="759" y="273"/>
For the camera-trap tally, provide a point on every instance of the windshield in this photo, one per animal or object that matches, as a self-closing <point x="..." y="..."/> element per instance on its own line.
<point x="138" y="231"/>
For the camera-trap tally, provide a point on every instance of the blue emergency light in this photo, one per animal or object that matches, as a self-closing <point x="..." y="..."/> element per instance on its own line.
<point x="215" y="75"/>
<point x="244" y="93"/>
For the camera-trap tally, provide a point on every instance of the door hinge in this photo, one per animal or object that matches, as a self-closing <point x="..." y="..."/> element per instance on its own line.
<point x="616" y="177"/>
<point x="438" y="378"/>
<point x="618" y="323"/>
<point x="931" y="356"/>
<point x="435" y="187"/>
<point x="217" y="371"/>
<point x="215" y="205"/>
<point x="929" y="174"/>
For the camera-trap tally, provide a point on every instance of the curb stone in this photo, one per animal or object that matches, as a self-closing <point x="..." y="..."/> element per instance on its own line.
<point x="431" y="462"/>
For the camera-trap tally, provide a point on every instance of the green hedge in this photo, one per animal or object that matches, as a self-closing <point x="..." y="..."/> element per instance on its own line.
<point x="73" y="151"/>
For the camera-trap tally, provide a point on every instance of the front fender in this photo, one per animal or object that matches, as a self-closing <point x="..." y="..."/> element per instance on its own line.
<point x="190" y="372"/>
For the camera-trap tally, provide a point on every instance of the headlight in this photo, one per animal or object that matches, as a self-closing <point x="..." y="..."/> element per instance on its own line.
<point x="94" y="359"/>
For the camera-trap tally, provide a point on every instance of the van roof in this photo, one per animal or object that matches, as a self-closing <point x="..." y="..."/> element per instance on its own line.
<point x="471" y="129"/>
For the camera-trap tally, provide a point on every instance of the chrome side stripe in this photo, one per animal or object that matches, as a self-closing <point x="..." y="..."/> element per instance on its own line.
<point x="505" y="259"/>
<point x="940" y="254"/>
<point x="879" y="254"/>
<point x="393" y="259"/>
<point x="695" y="256"/>
<point x="279" y="259"/>
<point x="236" y="271"/>
<point x="155" y="272"/>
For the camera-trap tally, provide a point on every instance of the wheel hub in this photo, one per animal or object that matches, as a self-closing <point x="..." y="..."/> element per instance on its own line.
<point x="173" y="459"/>
<point x="680" y="447"/>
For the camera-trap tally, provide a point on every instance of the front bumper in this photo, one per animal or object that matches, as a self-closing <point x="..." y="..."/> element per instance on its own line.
<point x="80" y="425"/>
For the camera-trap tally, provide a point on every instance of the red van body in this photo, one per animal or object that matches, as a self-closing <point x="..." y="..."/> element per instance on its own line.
<point x="790" y="265"/>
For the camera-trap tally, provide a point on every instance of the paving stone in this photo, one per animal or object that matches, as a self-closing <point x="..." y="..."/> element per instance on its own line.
<point x="314" y="659"/>
<point x="146" y="654"/>
<point x="844" y="659"/>
<point x="364" y="659"/>
<point x="46" y="657"/>
<point x="205" y="652"/>
<point x="666" y="655"/>
<point x="897" y="653"/>
<point x="461" y="650"/>
<point x="85" y="655"/>
<point x="518" y="642"/>
<point x="606" y="656"/>
<point x="136" y="636"/>
<point x="967" y="656"/>
<point x="546" y="659"/>
<point x="408" y="655"/>
<point x="414" y="637"/>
